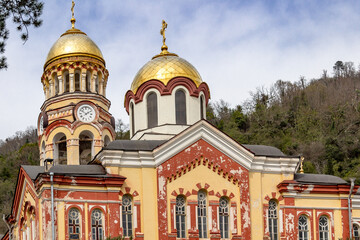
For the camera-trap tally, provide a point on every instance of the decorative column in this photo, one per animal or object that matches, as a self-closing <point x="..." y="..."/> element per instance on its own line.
<point x="93" y="80"/>
<point x="83" y="80"/>
<point x="72" y="80"/>
<point x="98" y="143"/>
<point x="101" y="86"/>
<point x="52" y="90"/>
<point x="72" y="146"/>
<point x="46" y="90"/>
<point x="61" y="82"/>
<point x="49" y="151"/>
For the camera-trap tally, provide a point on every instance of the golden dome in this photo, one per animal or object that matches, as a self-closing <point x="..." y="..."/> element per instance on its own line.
<point x="164" y="67"/>
<point x="73" y="43"/>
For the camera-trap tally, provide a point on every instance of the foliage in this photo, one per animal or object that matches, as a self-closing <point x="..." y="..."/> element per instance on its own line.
<point x="20" y="149"/>
<point x="122" y="130"/>
<point x="24" y="13"/>
<point x="318" y="119"/>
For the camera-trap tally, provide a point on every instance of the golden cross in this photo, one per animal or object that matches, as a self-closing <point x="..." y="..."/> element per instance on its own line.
<point x="162" y="31"/>
<point x="301" y="164"/>
<point x="72" y="8"/>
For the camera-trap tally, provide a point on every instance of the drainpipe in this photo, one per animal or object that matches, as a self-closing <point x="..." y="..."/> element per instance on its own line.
<point x="52" y="206"/>
<point x="8" y="226"/>
<point x="352" y="180"/>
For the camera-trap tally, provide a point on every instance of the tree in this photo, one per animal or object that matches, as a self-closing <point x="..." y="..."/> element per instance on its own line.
<point x="24" y="13"/>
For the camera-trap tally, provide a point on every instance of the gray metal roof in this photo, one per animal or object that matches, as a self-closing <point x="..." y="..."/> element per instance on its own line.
<point x="134" y="145"/>
<point x="262" y="150"/>
<point x="33" y="171"/>
<point x="320" y="179"/>
<point x="71" y="170"/>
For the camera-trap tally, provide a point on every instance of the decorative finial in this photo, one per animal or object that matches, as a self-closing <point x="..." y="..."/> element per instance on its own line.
<point x="164" y="48"/>
<point x="301" y="164"/>
<point x="72" y="13"/>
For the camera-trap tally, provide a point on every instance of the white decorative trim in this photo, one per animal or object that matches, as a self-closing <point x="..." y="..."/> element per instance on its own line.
<point x="207" y="132"/>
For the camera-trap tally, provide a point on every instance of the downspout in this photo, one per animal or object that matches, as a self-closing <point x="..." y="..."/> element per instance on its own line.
<point x="52" y="206"/>
<point x="352" y="180"/>
<point x="8" y="226"/>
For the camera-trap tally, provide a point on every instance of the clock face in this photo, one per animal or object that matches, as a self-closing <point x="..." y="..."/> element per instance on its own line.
<point x="86" y="113"/>
<point x="41" y="125"/>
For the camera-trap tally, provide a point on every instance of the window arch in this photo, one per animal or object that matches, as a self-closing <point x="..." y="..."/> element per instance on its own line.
<point x="126" y="209"/>
<point x="85" y="147"/>
<point x="56" y="84"/>
<point x="106" y="140"/>
<point x="88" y="81"/>
<point x="66" y="82"/>
<point x="356" y="232"/>
<point x="303" y="227"/>
<point x="224" y="217"/>
<point x="180" y="107"/>
<point x="201" y="107"/>
<point x="180" y="213"/>
<point x="97" y="226"/>
<point x="323" y="228"/>
<point x="132" y="118"/>
<point x="77" y="80"/>
<point x="43" y="153"/>
<point x="202" y="216"/>
<point x="152" y="110"/>
<point x="60" y="148"/>
<point x="74" y="224"/>
<point x="273" y="220"/>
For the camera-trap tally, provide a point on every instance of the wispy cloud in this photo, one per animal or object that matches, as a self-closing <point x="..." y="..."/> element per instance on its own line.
<point x="235" y="45"/>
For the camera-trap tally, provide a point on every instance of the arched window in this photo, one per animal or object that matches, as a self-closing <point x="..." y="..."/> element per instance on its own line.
<point x="88" y="78"/>
<point x="202" y="214"/>
<point x="132" y="118"/>
<point x="303" y="228"/>
<point x="152" y="110"/>
<point x="180" y="107"/>
<point x="85" y="147"/>
<point x="60" y="149"/>
<point x="106" y="140"/>
<point x="356" y="232"/>
<point x="126" y="209"/>
<point x="77" y="81"/>
<point x="273" y="220"/>
<point x="56" y="84"/>
<point x="323" y="228"/>
<point x="97" y="232"/>
<point x="180" y="216"/>
<point x="67" y="82"/>
<point x="224" y="217"/>
<point x="43" y="153"/>
<point x="97" y="83"/>
<point x="74" y="224"/>
<point x="201" y="107"/>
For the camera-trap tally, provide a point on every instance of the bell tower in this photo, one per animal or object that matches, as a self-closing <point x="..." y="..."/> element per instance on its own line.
<point x="74" y="123"/>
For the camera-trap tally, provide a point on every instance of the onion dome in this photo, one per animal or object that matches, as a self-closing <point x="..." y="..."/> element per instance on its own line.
<point x="73" y="43"/>
<point x="164" y="67"/>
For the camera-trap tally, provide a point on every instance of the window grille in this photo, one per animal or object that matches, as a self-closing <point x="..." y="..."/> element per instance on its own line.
<point x="303" y="228"/>
<point x="127" y="215"/>
<point x="180" y="216"/>
<point x="224" y="217"/>
<point x="74" y="224"/>
<point x="273" y="220"/>
<point x="202" y="214"/>
<point x="97" y="232"/>
<point x="323" y="228"/>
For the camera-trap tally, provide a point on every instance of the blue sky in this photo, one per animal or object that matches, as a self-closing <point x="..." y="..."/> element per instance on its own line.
<point x="236" y="46"/>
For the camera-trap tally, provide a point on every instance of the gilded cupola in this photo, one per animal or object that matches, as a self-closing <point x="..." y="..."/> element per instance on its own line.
<point x="164" y="67"/>
<point x="75" y="122"/>
<point x="166" y="96"/>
